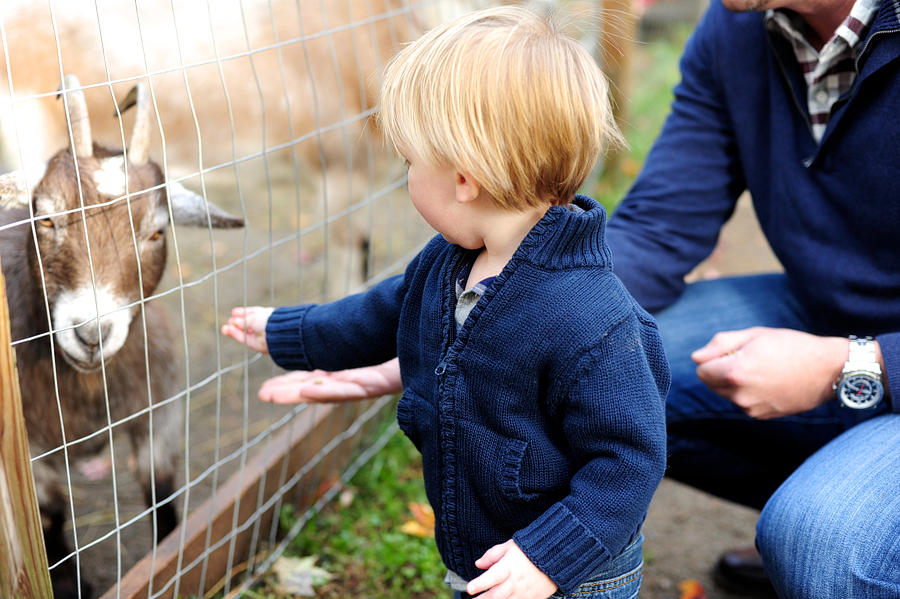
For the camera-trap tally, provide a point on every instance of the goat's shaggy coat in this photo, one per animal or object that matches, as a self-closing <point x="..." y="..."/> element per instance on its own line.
<point x="79" y="265"/>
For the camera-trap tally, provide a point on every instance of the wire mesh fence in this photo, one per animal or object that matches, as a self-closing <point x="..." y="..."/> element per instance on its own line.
<point x="139" y="415"/>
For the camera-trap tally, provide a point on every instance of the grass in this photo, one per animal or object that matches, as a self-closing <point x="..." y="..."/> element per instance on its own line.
<point x="358" y="539"/>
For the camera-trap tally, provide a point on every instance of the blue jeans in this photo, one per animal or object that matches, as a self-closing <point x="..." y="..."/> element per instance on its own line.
<point x="833" y="528"/>
<point x="620" y="578"/>
<point x="817" y="537"/>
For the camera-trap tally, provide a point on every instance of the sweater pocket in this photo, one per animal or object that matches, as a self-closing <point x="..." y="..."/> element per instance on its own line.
<point x="419" y="421"/>
<point x="496" y="468"/>
<point x="409" y="412"/>
<point x="525" y="481"/>
<point x="510" y="469"/>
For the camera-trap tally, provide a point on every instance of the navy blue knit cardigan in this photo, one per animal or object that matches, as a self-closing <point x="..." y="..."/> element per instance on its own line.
<point x="541" y="419"/>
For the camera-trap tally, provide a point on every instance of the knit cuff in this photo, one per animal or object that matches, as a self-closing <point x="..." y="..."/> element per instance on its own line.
<point x="284" y="337"/>
<point x="890" y="351"/>
<point x="560" y="545"/>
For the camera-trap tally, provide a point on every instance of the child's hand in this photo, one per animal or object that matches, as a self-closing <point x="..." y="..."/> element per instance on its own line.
<point x="324" y="387"/>
<point x="510" y="574"/>
<point x="248" y="326"/>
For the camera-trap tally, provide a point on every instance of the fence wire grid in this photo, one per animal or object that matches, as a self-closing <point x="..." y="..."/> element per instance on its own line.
<point x="263" y="108"/>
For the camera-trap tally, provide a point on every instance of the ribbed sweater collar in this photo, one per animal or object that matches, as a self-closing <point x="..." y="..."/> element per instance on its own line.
<point x="888" y="18"/>
<point x="565" y="238"/>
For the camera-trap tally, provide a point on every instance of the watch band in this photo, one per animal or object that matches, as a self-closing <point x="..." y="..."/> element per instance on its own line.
<point x="862" y="356"/>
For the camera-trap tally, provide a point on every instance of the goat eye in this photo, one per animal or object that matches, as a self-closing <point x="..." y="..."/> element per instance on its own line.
<point x="46" y="222"/>
<point x="158" y="234"/>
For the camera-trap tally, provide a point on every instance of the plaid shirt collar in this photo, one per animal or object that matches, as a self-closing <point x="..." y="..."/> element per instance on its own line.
<point x="830" y="72"/>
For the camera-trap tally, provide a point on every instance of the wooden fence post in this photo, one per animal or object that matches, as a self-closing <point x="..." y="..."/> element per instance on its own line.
<point x="618" y="31"/>
<point x="24" y="572"/>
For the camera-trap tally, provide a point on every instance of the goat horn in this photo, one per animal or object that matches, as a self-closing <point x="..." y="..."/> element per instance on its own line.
<point x="139" y="149"/>
<point x="82" y="147"/>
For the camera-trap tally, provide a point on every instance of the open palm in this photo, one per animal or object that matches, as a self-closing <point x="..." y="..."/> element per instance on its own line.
<point x="320" y="386"/>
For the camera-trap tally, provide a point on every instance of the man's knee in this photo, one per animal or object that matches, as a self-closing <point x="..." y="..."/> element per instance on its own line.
<point x="801" y="549"/>
<point x="830" y="530"/>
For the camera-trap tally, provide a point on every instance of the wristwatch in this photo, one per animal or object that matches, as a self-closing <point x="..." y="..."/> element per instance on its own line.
<point x="859" y="386"/>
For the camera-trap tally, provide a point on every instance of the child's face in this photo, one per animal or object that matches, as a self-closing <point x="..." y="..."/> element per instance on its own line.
<point x="432" y="190"/>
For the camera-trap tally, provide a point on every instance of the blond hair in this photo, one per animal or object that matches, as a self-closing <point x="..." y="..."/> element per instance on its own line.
<point x="504" y="96"/>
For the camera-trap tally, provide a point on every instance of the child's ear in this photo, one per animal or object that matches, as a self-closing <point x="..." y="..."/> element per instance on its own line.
<point x="467" y="188"/>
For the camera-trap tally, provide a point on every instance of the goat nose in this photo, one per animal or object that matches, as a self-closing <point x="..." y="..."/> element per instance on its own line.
<point x="89" y="335"/>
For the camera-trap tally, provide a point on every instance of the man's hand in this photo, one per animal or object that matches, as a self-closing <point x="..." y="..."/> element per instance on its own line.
<point x="772" y="372"/>
<point x="510" y="574"/>
<point x="320" y="386"/>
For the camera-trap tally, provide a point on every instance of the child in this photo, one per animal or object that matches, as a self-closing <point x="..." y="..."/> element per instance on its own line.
<point x="534" y="383"/>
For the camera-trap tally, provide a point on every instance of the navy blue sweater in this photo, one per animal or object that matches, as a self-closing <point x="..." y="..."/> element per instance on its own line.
<point x="541" y="419"/>
<point x="831" y="212"/>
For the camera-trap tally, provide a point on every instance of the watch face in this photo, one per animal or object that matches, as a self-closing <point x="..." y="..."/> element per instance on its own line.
<point x="860" y="391"/>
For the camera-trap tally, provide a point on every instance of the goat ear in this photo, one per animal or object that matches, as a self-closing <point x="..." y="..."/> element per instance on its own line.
<point x="13" y="190"/>
<point x="190" y="209"/>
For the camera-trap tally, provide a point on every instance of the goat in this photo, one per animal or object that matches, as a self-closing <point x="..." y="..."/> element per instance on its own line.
<point x="80" y="257"/>
<point x="268" y="77"/>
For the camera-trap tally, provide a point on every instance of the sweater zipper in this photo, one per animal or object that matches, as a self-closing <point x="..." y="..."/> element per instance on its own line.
<point x="856" y="60"/>
<point x="866" y="46"/>
<point x="790" y="85"/>
<point x="848" y="97"/>
<point x="856" y="84"/>
<point x="797" y="105"/>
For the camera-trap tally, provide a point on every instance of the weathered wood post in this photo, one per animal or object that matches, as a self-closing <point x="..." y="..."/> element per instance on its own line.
<point x="24" y="572"/>
<point x="618" y="32"/>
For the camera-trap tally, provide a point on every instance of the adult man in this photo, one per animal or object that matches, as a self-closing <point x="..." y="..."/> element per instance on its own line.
<point x="797" y="101"/>
<point x="798" y="105"/>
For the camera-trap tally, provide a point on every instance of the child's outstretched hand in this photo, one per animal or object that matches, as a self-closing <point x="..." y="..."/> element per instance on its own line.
<point x="320" y="386"/>
<point x="510" y="574"/>
<point x="248" y="326"/>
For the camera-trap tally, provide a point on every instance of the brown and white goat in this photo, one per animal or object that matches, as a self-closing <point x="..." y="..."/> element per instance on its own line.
<point x="81" y="254"/>
<point x="230" y="80"/>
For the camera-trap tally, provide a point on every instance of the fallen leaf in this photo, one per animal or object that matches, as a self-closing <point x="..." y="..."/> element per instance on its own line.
<point x="327" y="483"/>
<point x="691" y="589"/>
<point x="422" y="524"/>
<point x="423" y="514"/>
<point x="415" y="529"/>
<point x="299" y="575"/>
